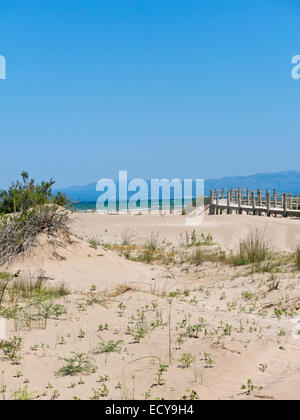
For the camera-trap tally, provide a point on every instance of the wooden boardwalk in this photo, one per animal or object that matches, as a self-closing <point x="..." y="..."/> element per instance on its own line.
<point x="254" y="202"/>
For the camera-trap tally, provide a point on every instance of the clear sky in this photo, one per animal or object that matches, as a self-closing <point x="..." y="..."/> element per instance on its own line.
<point x="185" y="88"/>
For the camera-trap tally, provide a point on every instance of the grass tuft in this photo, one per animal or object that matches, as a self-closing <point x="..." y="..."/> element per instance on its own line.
<point x="254" y="249"/>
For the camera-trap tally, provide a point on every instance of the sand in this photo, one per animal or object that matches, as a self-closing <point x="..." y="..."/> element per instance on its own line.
<point x="239" y="336"/>
<point x="226" y="229"/>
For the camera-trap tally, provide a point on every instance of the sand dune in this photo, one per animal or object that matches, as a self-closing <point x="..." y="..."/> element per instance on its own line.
<point x="239" y="336"/>
<point x="226" y="229"/>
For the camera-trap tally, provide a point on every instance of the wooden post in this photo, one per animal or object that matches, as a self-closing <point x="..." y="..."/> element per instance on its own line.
<point x="217" y="202"/>
<point x="228" y="201"/>
<point x="212" y="206"/>
<point x="259" y="198"/>
<point x="253" y="202"/>
<point x="268" y="204"/>
<point x="284" y="205"/>
<point x="223" y="193"/>
<point x="291" y="201"/>
<point x="248" y="197"/>
<point x="240" y="202"/>
<point x="297" y="204"/>
<point x="275" y="198"/>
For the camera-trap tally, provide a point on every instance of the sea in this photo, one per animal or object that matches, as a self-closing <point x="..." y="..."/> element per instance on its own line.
<point x="142" y="206"/>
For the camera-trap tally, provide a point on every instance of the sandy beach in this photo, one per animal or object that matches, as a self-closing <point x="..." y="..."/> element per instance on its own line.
<point x="173" y="329"/>
<point x="226" y="229"/>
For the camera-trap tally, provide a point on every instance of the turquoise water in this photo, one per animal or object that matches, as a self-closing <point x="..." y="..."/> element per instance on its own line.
<point x="88" y="206"/>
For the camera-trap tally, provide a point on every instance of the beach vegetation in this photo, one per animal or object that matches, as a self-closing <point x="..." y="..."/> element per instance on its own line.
<point x="94" y="243"/>
<point x="19" y="232"/>
<point x="24" y="395"/>
<point x="186" y="360"/>
<point x="11" y="349"/>
<point x="254" y="249"/>
<point x="128" y="237"/>
<point x="108" y="347"/>
<point x="26" y="194"/>
<point x="77" y="363"/>
<point x="297" y="257"/>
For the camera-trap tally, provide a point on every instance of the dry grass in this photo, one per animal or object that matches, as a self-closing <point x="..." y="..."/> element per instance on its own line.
<point x="19" y="233"/>
<point x="254" y="249"/>
<point x="297" y="256"/>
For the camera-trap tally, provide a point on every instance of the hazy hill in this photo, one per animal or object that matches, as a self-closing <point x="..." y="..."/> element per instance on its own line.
<point x="288" y="181"/>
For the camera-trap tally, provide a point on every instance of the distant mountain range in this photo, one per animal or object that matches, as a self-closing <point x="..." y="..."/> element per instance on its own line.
<point x="287" y="181"/>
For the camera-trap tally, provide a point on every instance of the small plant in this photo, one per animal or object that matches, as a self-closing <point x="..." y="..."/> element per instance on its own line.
<point x="208" y="360"/>
<point x="94" y="243"/>
<point x="161" y="370"/>
<point x="18" y="374"/>
<point x="102" y="327"/>
<point x="249" y="388"/>
<point x="62" y="341"/>
<point x="191" y="395"/>
<point x="227" y="329"/>
<point x="79" y="363"/>
<point x="24" y="395"/>
<point x="279" y="313"/>
<point x="263" y="367"/>
<point x="11" y="349"/>
<point x="122" y="308"/>
<point x="187" y="359"/>
<point x="49" y="310"/>
<point x="195" y="240"/>
<point x="102" y="392"/>
<point x="55" y="394"/>
<point x="103" y="378"/>
<point x="81" y="334"/>
<point x="147" y="395"/>
<point x="109" y="347"/>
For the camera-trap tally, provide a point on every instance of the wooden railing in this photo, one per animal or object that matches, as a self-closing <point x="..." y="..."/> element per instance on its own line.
<point x="254" y="202"/>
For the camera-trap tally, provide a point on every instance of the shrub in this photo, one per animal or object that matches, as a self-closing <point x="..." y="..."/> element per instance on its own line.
<point x="19" y="233"/>
<point x="26" y="194"/>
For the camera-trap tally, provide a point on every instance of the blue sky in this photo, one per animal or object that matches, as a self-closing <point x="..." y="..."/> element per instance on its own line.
<point x="189" y="88"/>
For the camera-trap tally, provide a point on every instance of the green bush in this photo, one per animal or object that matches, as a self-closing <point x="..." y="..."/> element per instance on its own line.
<point x="25" y="194"/>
